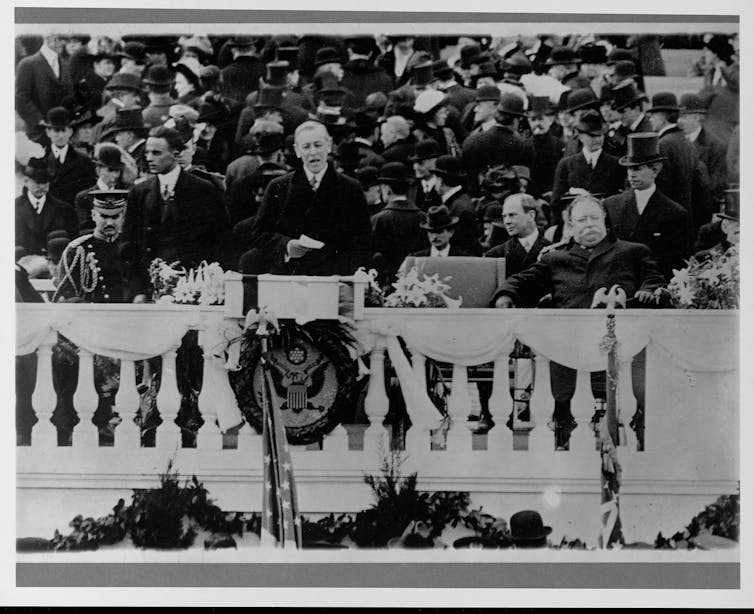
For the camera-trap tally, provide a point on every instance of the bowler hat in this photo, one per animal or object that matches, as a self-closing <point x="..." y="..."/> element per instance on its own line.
<point x="367" y="176"/>
<point x="158" y="75"/>
<point x="104" y="55"/>
<point x="593" y="54"/>
<point x="241" y="41"/>
<point x="643" y="148"/>
<point x="277" y="73"/>
<point x="488" y="92"/>
<point x="486" y="69"/>
<point x="429" y="101"/>
<point x="625" y="95"/>
<point x="124" y="81"/>
<point x="592" y="123"/>
<point x="439" y="218"/>
<point x="664" y="101"/>
<point x="527" y="526"/>
<point x="57" y="117"/>
<point x="732" y="210"/>
<point x="563" y="55"/>
<point x="583" y="98"/>
<point x="361" y="45"/>
<point x="617" y="55"/>
<point x="394" y="172"/>
<point x="692" y="103"/>
<point x="36" y="169"/>
<point x="442" y="70"/>
<point x="422" y="74"/>
<point x="212" y="113"/>
<point x="450" y="169"/>
<point x="267" y="143"/>
<point x="130" y="120"/>
<point x="82" y="38"/>
<point x="624" y="69"/>
<point x="511" y="104"/>
<point x="540" y="105"/>
<point x="425" y="150"/>
<point x="472" y="54"/>
<point x="328" y="90"/>
<point x="288" y="54"/>
<point x="269" y="98"/>
<point x="108" y="156"/>
<point x="327" y="55"/>
<point x="82" y="116"/>
<point x="135" y="51"/>
<point x="109" y="200"/>
<point x="518" y="64"/>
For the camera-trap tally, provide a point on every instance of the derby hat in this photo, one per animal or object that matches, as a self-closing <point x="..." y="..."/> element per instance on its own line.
<point x="361" y="45"/>
<point x="264" y="174"/>
<point x="124" y="81"/>
<point x="450" y="169"/>
<point x="593" y="54"/>
<point x="664" y="101"/>
<point x="241" y="41"/>
<point x="267" y="143"/>
<point x="423" y="73"/>
<point x="158" y="75"/>
<point x="540" y="105"/>
<point x="692" y="103"/>
<point x="277" y="73"/>
<point x="327" y="55"/>
<point x="486" y="69"/>
<point x="511" y="104"/>
<point x="583" y="98"/>
<point x="394" y="172"/>
<point x="288" y="54"/>
<point x="328" y="90"/>
<point x="130" y="120"/>
<point x="643" y="148"/>
<point x="82" y="116"/>
<point x="592" y="123"/>
<point x="732" y="210"/>
<point x="518" y="64"/>
<point x="439" y="218"/>
<point x="108" y="156"/>
<point x="442" y="70"/>
<point x="367" y="176"/>
<point x="135" y="51"/>
<point x="429" y="101"/>
<point x="212" y="113"/>
<point x="625" y="95"/>
<point x="104" y="55"/>
<point x="563" y="55"/>
<point x="472" y="54"/>
<point x="426" y="149"/>
<point x="527" y="526"/>
<point x="624" y="69"/>
<point x="82" y="38"/>
<point x="58" y="118"/>
<point x="36" y="169"/>
<point x="488" y="93"/>
<point x="618" y="55"/>
<point x="109" y="200"/>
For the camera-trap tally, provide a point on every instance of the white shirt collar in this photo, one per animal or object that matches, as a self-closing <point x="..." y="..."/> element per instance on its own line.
<point x="643" y="196"/>
<point x="443" y="253"/>
<point x="694" y="135"/>
<point x="429" y="184"/>
<point x="639" y="119"/>
<point x="527" y="242"/>
<point x="591" y="155"/>
<point x="49" y="55"/>
<point x="59" y="152"/>
<point x="318" y="175"/>
<point x="451" y="192"/>
<point x="170" y="178"/>
<point x="37" y="204"/>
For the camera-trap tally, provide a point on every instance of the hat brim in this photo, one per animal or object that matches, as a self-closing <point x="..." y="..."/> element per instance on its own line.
<point x="443" y="103"/>
<point x="452" y="222"/>
<point x="550" y="64"/>
<point x="89" y="119"/>
<point x="629" y="103"/>
<point x="512" y="113"/>
<point x="443" y="173"/>
<point x="683" y="111"/>
<point x="628" y="161"/>
<point x="592" y="104"/>
<point x="663" y="109"/>
<point x="590" y="132"/>
<point x="57" y="126"/>
<point x="543" y="532"/>
<point x="417" y="158"/>
<point x="725" y="216"/>
<point x="139" y="131"/>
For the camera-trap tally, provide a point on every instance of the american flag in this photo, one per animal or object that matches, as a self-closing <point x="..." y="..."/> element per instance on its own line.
<point x="281" y="523"/>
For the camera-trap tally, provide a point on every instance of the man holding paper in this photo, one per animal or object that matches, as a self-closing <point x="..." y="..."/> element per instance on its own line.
<point x="314" y="220"/>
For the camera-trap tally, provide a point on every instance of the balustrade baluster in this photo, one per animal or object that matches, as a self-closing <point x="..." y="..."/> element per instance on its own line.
<point x="44" y="398"/>
<point x="376" y="403"/>
<point x="209" y="437"/>
<point x="541" y="437"/>
<point x="582" y="407"/>
<point x="459" y="407"/>
<point x="85" y="401"/>
<point x="127" y="434"/>
<point x="169" y="403"/>
<point x="500" y="437"/>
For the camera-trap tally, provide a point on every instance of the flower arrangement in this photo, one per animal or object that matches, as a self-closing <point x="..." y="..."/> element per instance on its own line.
<point x="415" y="290"/>
<point x="712" y="283"/>
<point x="171" y="283"/>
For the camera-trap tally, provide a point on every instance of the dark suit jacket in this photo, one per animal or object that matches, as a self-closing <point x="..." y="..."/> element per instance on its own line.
<point x="467" y="234"/>
<point x="192" y="227"/>
<point x="38" y="90"/>
<point x="663" y="227"/>
<point x="454" y="251"/>
<point x="395" y="234"/>
<point x="68" y="179"/>
<point x="516" y="259"/>
<point x="712" y="151"/>
<point x="335" y="214"/>
<point x="241" y="77"/>
<point x="498" y="145"/>
<point x="32" y="228"/>
<point x="677" y="174"/>
<point x="400" y="151"/>
<point x="608" y="177"/>
<point x="547" y="150"/>
<point x="362" y="77"/>
<point x="424" y="201"/>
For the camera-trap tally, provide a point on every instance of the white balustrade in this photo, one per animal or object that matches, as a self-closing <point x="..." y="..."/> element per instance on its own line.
<point x="44" y="398"/>
<point x="376" y="403"/>
<point x="85" y="400"/>
<point x="459" y="408"/>
<point x="500" y="438"/>
<point x="127" y="433"/>
<point x="168" y="404"/>
<point x="209" y="437"/>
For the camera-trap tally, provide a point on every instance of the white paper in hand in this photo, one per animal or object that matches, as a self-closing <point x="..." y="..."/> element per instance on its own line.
<point x="310" y="243"/>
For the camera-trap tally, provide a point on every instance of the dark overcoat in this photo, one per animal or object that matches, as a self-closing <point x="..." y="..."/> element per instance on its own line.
<point x="607" y="177"/>
<point x="32" y="228"/>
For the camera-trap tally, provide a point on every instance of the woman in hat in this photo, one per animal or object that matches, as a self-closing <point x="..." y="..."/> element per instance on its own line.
<point x="83" y="121"/>
<point x="431" y="113"/>
<point x="187" y="86"/>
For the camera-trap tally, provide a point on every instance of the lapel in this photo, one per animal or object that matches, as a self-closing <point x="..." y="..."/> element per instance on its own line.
<point x="628" y="215"/>
<point x="29" y="213"/>
<point x="47" y="68"/>
<point x="650" y="211"/>
<point x="606" y="245"/>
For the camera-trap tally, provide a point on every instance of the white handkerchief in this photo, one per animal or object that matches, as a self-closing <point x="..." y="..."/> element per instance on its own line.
<point x="310" y="243"/>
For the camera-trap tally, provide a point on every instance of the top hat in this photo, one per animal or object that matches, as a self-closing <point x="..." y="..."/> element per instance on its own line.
<point x="36" y="169"/>
<point x="429" y="101"/>
<point x="327" y="55"/>
<point x="134" y="51"/>
<point x="423" y="73"/>
<point x="124" y="81"/>
<point x="692" y="103"/>
<point x="511" y="104"/>
<point x="241" y="41"/>
<point x="583" y="98"/>
<point x="158" y="75"/>
<point x="488" y="92"/>
<point x="425" y="150"/>
<point x="109" y="156"/>
<point x="527" y="526"/>
<point x="450" y="169"/>
<point x="592" y="123"/>
<point x="361" y="45"/>
<point x="664" y="101"/>
<point x="191" y="72"/>
<point x="57" y="117"/>
<point x="518" y="64"/>
<point x="643" y="148"/>
<point x="439" y="218"/>
<point x="267" y="143"/>
<point x="563" y="55"/>
<point x="617" y="55"/>
<point x="593" y="54"/>
<point x="83" y="116"/>
<point x="472" y="54"/>
<point x="288" y="54"/>
<point x="732" y="210"/>
<point x="367" y="176"/>
<point x="109" y="200"/>
<point x="129" y="119"/>
<point x="540" y="105"/>
<point x="277" y="73"/>
<point x="442" y="70"/>
<point x="626" y="95"/>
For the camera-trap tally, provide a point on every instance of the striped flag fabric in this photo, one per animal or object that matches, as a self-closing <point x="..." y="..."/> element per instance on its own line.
<point x="281" y="523"/>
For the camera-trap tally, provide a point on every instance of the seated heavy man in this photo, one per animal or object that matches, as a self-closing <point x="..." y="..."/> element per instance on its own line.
<point x="572" y="273"/>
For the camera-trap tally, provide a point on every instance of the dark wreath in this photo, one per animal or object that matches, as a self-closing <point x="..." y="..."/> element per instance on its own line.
<point x="332" y="339"/>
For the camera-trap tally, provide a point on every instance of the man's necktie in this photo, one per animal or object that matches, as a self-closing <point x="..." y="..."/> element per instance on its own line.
<point x="313" y="183"/>
<point x="167" y="193"/>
